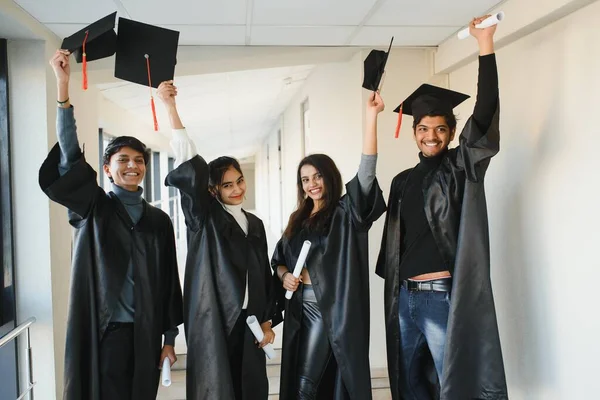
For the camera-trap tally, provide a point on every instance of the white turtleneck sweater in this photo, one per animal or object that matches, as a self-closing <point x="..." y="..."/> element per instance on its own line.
<point x="185" y="150"/>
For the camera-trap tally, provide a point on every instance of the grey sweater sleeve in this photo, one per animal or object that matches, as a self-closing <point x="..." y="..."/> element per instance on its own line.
<point x="66" y="130"/>
<point x="366" y="172"/>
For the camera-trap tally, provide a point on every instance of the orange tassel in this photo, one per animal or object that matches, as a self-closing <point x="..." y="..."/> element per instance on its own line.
<point x="399" y="124"/>
<point x="84" y="63"/>
<point x="151" y="97"/>
<point x="154" y="114"/>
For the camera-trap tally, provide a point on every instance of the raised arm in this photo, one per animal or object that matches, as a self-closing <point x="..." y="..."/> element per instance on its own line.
<point x="375" y="106"/>
<point x="65" y="176"/>
<point x="182" y="145"/>
<point x="480" y="139"/>
<point x="487" y="80"/>
<point x="66" y="128"/>
<point x="364" y="200"/>
<point x="368" y="160"/>
<point x="191" y="173"/>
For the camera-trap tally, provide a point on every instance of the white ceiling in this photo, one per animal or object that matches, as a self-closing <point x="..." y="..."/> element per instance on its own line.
<point x="11" y="29"/>
<point x="275" y="22"/>
<point x="227" y="113"/>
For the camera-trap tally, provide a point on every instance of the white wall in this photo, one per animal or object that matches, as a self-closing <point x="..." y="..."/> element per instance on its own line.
<point x="542" y="200"/>
<point x="336" y="127"/>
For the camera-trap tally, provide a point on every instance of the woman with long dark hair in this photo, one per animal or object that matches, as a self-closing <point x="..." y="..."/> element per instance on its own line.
<point x="326" y="330"/>
<point x="227" y="275"/>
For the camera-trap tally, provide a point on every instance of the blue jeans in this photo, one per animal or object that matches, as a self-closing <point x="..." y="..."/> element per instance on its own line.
<point x="423" y="319"/>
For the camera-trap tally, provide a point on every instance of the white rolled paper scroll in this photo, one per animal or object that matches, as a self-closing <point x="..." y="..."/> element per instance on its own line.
<point x="165" y="376"/>
<point x="259" y="335"/>
<point x="299" y="265"/>
<point x="486" y="23"/>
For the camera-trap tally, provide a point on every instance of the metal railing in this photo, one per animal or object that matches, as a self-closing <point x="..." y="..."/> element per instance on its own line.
<point x="24" y="327"/>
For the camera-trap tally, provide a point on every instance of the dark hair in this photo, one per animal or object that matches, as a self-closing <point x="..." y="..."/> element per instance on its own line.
<point x="332" y="180"/>
<point x="448" y="116"/>
<point x="115" y="145"/>
<point x="217" y="169"/>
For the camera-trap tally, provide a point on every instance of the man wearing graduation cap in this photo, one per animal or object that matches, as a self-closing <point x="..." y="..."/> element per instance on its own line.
<point x="125" y="292"/>
<point x="442" y="335"/>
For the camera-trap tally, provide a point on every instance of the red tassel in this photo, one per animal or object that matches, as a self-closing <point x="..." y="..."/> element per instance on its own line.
<point x="151" y="97"/>
<point x="154" y="113"/>
<point x="399" y="124"/>
<point x="84" y="63"/>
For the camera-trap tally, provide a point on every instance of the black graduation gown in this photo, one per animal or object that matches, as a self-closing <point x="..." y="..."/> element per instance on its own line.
<point x="456" y="209"/>
<point x="338" y="265"/>
<point x="219" y="255"/>
<point x="105" y="240"/>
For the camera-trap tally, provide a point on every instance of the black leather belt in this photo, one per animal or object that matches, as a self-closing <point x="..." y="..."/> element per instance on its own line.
<point x="437" y="285"/>
<point x="113" y="326"/>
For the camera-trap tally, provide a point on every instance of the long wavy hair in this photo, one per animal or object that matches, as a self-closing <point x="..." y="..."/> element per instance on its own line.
<point x="332" y="185"/>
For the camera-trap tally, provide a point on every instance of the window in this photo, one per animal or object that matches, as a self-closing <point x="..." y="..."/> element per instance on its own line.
<point x="7" y="291"/>
<point x="174" y="207"/>
<point x="8" y="353"/>
<point x="103" y="141"/>
<point x="156" y="183"/>
<point x="172" y="190"/>
<point x="305" y="110"/>
<point x="147" y="183"/>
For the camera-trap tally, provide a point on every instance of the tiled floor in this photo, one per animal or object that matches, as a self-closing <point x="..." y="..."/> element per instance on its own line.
<point x="176" y="391"/>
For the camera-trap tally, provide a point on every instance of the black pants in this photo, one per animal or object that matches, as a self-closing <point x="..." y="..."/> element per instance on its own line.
<point x="117" y="362"/>
<point x="236" y="352"/>
<point x="314" y="351"/>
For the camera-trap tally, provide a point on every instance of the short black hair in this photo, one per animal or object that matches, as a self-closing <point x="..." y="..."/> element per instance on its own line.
<point x="115" y="145"/>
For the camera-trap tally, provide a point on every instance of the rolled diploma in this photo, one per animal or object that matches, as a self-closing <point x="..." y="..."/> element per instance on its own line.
<point x="259" y="335"/>
<point x="165" y="377"/>
<point x="486" y="23"/>
<point x="299" y="265"/>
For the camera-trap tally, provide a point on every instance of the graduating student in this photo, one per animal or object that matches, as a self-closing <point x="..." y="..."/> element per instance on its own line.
<point x="125" y="292"/>
<point x="326" y="330"/>
<point x="434" y="257"/>
<point x="228" y="276"/>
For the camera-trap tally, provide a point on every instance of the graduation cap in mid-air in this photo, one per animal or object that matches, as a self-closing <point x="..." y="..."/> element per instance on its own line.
<point x="93" y="42"/>
<point x="426" y="100"/>
<point x="374" y="67"/>
<point x="146" y="54"/>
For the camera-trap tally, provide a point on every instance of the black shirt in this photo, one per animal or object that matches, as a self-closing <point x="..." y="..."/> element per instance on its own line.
<point x="419" y="253"/>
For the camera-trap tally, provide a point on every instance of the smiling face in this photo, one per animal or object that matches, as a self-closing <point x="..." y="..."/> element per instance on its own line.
<point x="433" y="135"/>
<point x="233" y="187"/>
<point x="312" y="183"/>
<point x="126" y="168"/>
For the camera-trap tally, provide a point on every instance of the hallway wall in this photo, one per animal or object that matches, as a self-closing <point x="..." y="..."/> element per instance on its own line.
<point x="543" y="207"/>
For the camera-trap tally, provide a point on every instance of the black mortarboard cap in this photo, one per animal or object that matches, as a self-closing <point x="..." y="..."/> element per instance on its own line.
<point x="146" y="54"/>
<point x="428" y="99"/>
<point x="135" y="41"/>
<point x="374" y="67"/>
<point x="101" y="41"/>
<point x="93" y="42"/>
